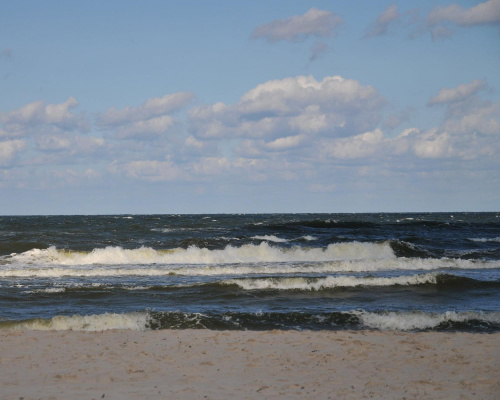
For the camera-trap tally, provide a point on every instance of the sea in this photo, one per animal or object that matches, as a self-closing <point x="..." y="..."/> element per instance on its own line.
<point x="379" y="271"/>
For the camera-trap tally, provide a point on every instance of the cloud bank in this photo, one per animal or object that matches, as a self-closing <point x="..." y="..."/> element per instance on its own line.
<point x="291" y="129"/>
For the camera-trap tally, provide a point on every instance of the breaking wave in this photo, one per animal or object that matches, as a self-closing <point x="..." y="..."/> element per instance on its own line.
<point x="194" y="255"/>
<point x="483" y="240"/>
<point x="419" y="320"/>
<point x="99" y="322"/>
<point x="332" y="282"/>
<point x="358" y="319"/>
<point x="48" y="271"/>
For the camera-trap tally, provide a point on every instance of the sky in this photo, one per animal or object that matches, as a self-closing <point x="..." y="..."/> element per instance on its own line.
<point x="113" y="107"/>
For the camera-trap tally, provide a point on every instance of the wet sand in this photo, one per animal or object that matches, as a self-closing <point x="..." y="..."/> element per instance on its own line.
<point x="204" y="364"/>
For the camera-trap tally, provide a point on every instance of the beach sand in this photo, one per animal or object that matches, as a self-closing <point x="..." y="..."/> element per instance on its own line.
<point x="204" y="364"/>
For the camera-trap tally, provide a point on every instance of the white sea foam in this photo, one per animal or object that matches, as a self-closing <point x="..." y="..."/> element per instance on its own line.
<point x="397" y="320"/>
<point x="405" y="321"/>
<point x="195" y="255"/>
<point x="483" y="240"/>
<point x="51" y="271"/>
<point x="99" y="322"/>
<point x="47" y="290"/>
<point x="309" y="238"/>
<point x="330" y="282"/>
<point x="163" y="230"/>
<point x="270" y="238"/>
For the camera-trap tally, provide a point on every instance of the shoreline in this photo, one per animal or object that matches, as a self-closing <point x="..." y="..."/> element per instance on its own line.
<point x="206" y="364"/>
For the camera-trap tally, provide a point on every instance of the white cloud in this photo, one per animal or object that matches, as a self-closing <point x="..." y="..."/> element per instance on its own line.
<point x="145" y="129"/>
<point x="381" y="25"/>
<point x="71" y="145"/>
<point x="147" y="121"/>
<point x="8" y="150"/>
<point x="193" y="142"/>
<point x="441" y="20"/>
<point x="359" y="146"/>
<point x="285" y="143"/>
<point x="153" y="107"/>
<point x="20" y="122"/>
<point x="406" y="149"/>
<point x="483" y="119"/>
<point x="466" y="113"/>
<point x="53" y="142"/>
<point x="460" y="93"/>
<point x="434" y="145"/>
<point x="313" y="23"/>
<point x="211" y="166"/>
<point x="292" y="106"/>
<point x="487" y="12"/>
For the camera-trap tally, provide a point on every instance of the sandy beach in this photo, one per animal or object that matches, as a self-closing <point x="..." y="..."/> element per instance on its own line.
<point x="204" y="364"/>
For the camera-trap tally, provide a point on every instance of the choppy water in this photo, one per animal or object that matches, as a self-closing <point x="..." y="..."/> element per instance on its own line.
<point x="266" y="271"/>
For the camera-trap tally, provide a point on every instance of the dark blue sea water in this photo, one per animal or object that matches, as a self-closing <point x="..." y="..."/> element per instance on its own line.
<point x="427" y="271"/>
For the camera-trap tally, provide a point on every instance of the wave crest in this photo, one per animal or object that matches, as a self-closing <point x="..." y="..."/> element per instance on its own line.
<point x="419" y="320"/>
<point x="98" y="322"/>
<point x="383" y="320"/>
<point x="194" y="255"/>
<point x="330" y="282"/>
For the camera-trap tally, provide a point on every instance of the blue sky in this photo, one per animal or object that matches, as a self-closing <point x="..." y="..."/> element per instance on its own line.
<point x="262" y="106"/>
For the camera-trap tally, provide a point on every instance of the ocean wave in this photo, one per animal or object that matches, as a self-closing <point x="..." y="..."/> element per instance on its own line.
<point x="270" y="238"/>
<point x="308" y="238"/>
<point x="442" y="281"/>
<point x="330" y="282"/>
<point x="195" y="255"/>
<point x="357" y="319"/>
<point x="98" y="322"/>
<point x="483" y="240"/>
<point x="264" y="268"/>
<point x="419" y="320"/>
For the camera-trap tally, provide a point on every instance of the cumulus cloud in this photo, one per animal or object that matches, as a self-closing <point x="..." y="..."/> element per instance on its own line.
<point x="460" y="93"/>
<point x="146" y="121"/>
<point x="465" y="112"/>
<point x="482" y="118"/>
<point x="8" y="150"/>
<point x="410" y="148"/>
<point x="53" y="142"/>
<point x="313" y="23"/>
<point x="285" y="143"/>
<point x="149" y="128"/>
<point x="433" y="145"/>
<point x="72" y="145"/>
<point x="384" y="20"/>
<point x="292" y="106"/>
<point x="359" y="146"/>
<point x="153" y="107"/>
<point x="20" y="122"/>
<point x="321" y="133"/>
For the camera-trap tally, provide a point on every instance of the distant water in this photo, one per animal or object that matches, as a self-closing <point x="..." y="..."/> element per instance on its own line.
<point x="430" y="271"/>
